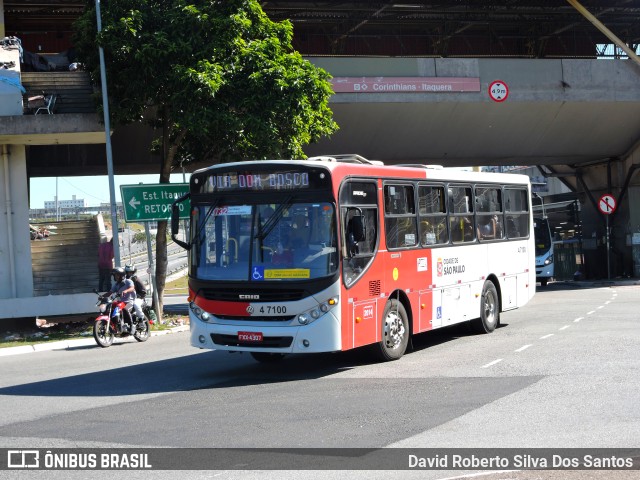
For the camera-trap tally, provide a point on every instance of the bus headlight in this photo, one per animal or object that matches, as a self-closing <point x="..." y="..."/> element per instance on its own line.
<point x="198" y="312"/>
<point x="549" y="260"/>
<point x="314" y="313"/>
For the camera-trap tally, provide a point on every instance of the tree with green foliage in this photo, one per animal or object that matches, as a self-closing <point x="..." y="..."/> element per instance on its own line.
<point x="218" y="80"/>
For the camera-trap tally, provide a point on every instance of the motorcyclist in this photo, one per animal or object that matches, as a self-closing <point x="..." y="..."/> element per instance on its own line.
<point x="126" y="289"/>
<point x="141" y="292"/>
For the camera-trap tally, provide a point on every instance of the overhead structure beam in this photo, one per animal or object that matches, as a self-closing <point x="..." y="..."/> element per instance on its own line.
<point x="600" y="26"/>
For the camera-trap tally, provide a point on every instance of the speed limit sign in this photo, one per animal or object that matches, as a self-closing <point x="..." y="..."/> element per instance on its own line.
<point x="498" y="91"/>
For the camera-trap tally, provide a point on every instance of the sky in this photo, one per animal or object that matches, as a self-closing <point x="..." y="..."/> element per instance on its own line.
<point x="94" y="189"/>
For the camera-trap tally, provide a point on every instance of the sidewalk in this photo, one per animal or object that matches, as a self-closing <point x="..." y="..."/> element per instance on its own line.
<point x="77" y="343"/>
<point x="623" y="282"/>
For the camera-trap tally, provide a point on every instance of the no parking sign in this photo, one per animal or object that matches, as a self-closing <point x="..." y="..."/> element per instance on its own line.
<point x="607" y="204"/>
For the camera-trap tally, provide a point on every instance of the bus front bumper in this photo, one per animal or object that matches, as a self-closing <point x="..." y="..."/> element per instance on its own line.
<point x="321" y="335"/>
<point x="544" y="271"/>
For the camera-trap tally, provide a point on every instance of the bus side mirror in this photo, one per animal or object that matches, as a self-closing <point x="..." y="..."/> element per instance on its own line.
<point x="175" y="221"/>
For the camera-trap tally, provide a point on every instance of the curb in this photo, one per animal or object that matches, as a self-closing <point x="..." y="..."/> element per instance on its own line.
<point x="82" y="342"/>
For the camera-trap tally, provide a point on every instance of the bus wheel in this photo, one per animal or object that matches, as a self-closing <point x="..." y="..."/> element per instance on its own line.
<point x="395" y="332"/>
<point x="489" y="310"/>
<point x="543" y="282"/>
<point x="267" y="357"/>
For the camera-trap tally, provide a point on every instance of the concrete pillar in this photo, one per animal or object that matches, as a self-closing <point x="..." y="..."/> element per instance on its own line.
<point x="2" y="29"/>
<point x="16" y="278"/>
<point x="633" y="234"/>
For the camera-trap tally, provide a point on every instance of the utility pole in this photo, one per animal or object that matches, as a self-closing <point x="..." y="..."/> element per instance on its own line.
<point x="107" y="131"/>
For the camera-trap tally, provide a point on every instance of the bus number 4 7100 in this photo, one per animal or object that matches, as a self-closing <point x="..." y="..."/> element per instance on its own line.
<point x="271" y="309"/>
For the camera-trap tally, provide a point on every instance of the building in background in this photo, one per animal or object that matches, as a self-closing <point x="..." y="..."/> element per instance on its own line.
<point x="72" y="204"/>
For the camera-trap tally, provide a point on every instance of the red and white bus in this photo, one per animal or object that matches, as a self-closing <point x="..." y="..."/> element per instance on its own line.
<point x="334" y="253"/>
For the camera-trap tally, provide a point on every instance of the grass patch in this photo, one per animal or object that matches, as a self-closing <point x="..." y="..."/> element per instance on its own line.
<point x="179" y="286"/>
<point x="72" y="331"/>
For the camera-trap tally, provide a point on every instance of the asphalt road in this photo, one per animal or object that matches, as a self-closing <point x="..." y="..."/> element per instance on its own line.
<point x="561" y="372"/>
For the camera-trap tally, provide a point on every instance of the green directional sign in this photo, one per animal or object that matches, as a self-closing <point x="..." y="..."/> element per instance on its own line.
<point x="146" y="203"/>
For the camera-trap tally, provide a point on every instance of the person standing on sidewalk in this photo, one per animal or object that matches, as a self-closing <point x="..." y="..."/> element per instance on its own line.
<point x="105" y="264"/>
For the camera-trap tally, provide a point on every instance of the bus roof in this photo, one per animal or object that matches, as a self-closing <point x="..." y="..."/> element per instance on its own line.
<point x="360" y="166"/>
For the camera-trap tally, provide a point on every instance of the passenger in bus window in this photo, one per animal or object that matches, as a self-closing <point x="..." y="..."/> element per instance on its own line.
<point x="283" y="254"/>
<point x="299" y="231"/>
<point x="487" y="227"/>
<point x="469" y="233"/>
<point x="461" y="229"/>
<point x="428" y="233"/>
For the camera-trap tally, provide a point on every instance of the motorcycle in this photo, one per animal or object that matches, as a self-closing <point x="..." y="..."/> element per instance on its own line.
<point x="115" y="320"/>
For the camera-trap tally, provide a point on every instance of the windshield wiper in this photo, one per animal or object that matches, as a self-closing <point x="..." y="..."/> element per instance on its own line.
<point x="272" y="221"/>
<point x="265" y="230"/>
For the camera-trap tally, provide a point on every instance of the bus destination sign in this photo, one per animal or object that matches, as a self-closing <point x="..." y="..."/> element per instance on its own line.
<point x="261" y="181"/>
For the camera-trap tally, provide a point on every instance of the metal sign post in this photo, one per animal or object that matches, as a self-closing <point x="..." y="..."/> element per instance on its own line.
<point x="607" y="205"/>
<point x="608" y="249"/>
<point x="152" y="270"/>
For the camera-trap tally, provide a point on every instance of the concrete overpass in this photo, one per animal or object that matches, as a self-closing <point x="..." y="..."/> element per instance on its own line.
<point x="558" y="112"/>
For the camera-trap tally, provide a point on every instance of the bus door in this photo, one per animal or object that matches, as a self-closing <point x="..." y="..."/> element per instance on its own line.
<point x="454" y="263"/>
<point x="361" y="282"/>
<point x="433" y="234"/>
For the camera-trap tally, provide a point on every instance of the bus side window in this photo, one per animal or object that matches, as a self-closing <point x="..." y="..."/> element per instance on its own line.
<point x="461" y="228"/>
<point x="360" y="236"/>
<point x="356" y="232"/>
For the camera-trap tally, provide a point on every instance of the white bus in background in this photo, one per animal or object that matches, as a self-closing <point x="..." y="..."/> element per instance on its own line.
<point x="544" y="250"/>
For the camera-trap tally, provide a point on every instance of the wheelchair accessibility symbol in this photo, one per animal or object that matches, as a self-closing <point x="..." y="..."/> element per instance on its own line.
<point x="258" y="273"/>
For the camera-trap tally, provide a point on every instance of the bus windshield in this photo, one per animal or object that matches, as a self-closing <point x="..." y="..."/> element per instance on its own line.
<point x="269" y="242"/>
<point x="542" y="236"/>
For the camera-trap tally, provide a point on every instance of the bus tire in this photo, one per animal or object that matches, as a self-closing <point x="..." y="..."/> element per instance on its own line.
<point x="543" y="282"/>
<point x="489" y="310"/>
<point x="395" y="332"/>
<point x="267" y="357"/>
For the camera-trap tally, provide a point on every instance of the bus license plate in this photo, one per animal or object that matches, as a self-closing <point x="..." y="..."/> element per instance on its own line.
<point x="250" y="336"/>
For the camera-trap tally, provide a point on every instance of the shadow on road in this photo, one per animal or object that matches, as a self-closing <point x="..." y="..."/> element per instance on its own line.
<point x="580" y="285"/>
<point x="205" y="370"/>
<point x="213" y="369"/>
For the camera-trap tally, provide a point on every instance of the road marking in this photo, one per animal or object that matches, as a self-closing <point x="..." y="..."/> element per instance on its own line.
<point x="491" y="363"/>
<point x="578" y="319"/>
<point x="565" y="327"/>
<point x="547" y="336"/>
<point x="522" y="349"/>
<point x="601" y="306"/>
<point x="592" y="311"/>
<point x="607" y="302"/>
